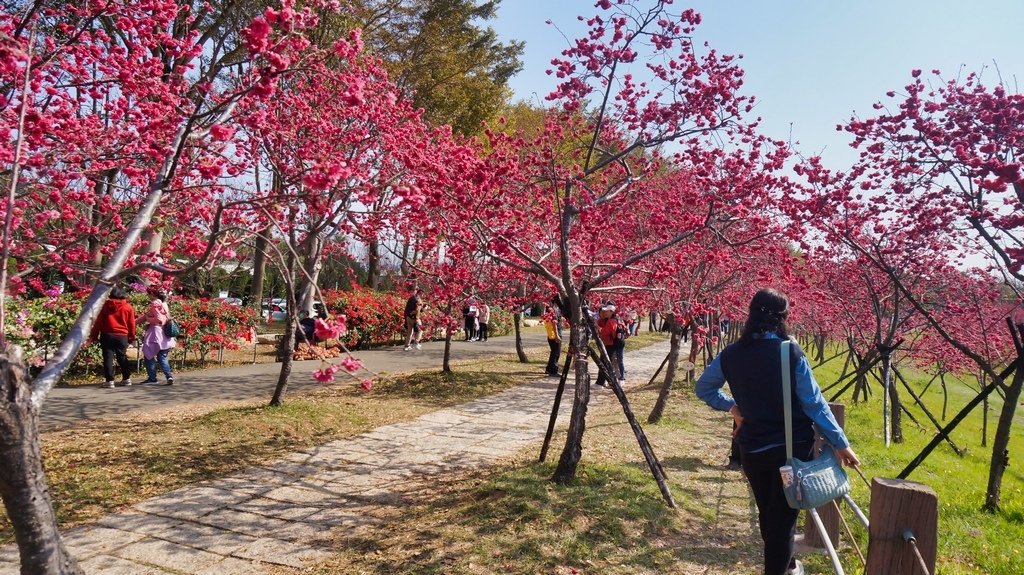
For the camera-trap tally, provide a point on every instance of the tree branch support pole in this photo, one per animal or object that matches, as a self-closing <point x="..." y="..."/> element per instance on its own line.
<point x="604" y="363"/>
<point x="555" y="407"/>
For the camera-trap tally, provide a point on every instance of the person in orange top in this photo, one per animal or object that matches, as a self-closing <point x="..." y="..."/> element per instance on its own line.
<point x="114" y="328"/>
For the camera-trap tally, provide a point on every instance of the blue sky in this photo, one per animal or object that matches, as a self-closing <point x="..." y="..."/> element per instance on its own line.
<point x="811" y="64"/>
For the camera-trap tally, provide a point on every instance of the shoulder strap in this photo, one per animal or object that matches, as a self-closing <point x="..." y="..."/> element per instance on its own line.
<point x="787" y="400"/>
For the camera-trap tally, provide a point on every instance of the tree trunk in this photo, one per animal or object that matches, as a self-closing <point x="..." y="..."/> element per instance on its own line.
<point x="984" y="423"/>
<point x="286" y="351"/>
<point x="104" y="186"/>
<point x="259" y="269"/>
<point x="311" y="266"/>
<point x="22" y="479"/>
<point x="373" y="264"/>
<point x="1001" y="442"/>
<point x="573" y="450"/>
<point x="894" y="430"/>
<point x="517" y="320"/>
<point x="670" y="374"/>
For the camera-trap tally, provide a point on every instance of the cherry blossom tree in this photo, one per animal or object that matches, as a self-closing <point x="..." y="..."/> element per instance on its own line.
<point x="115" y="106"/>
<point x="938" y="180"/>
<point x="570" y="217"/>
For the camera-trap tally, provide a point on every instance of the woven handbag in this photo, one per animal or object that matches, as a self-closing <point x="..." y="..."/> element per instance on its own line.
<point x="809" y="484"/>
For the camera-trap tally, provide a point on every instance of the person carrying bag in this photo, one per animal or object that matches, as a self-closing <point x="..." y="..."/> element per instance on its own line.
<point x="753" y="369"/>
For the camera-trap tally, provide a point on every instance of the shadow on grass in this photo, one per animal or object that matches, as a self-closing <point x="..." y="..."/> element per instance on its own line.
<point x="611" y="519"/>
<point x="439" y="388"/>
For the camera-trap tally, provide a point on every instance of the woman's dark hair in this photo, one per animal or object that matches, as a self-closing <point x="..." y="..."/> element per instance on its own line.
<point x="768" y="312"/>
<point x="118" y="293"/>
<point x="157" y="293"/>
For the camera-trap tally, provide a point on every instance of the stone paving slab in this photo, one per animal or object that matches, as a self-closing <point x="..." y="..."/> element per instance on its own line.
<point x="285" y="513"/>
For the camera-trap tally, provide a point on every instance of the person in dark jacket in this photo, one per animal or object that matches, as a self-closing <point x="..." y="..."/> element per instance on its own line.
<point x="753" y="369"/>
<point x="114" y="328"/>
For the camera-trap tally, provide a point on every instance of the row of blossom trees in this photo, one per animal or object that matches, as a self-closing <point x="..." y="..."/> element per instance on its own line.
<point x="145" y="132"/>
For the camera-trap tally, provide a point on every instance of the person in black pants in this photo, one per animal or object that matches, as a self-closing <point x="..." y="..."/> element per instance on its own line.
<point x="114" y="328"/>
<point x="552" y="321"/>
<point x="753" y="368"/>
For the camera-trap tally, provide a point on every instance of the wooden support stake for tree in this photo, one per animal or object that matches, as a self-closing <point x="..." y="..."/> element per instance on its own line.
<point x="931" y="417"/>
<point x="901" y="510"/>
<point x="604" y="364"/>
<point x="829" y="513"/>
<point x="945" y="431"/>
<point x="660" y="367"/>
<point x="857" y="374"/>
<point x="555" y="407"/>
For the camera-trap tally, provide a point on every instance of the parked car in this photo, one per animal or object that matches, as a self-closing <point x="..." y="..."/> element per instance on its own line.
<point x="274" y="312"/>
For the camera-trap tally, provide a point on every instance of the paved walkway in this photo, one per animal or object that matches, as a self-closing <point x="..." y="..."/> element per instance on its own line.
<point x="68" y="405"/>
<point x="283" y="514"/>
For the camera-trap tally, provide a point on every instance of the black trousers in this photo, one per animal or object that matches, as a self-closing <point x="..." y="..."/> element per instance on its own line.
<point x="615" y="353"/>
<point x="775" y="517"/>
<point x="483" y="332"/>
<point x="556" y="350"/>
<point x="115" y="347"/>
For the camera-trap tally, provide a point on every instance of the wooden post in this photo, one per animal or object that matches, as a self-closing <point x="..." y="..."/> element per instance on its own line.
<point x="901" y="509"/>
<point x="829" y="515"/>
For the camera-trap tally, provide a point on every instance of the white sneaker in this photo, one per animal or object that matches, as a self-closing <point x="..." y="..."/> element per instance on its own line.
<point x="108" y="385"/>
<point x="797" y="569"/>
<point x="408" y="348"/>
<point x="418" y="346"/>
<point x="126" y="382"/>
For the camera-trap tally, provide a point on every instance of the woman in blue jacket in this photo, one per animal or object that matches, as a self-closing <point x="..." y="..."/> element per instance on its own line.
<point x="753" y="369"/>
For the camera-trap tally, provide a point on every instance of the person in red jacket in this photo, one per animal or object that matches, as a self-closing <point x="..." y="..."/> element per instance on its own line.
<point x="608" y="331"/>
<point x="114" y="328"/>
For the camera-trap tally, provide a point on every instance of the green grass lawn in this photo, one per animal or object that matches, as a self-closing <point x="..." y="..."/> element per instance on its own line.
<point x="970" y="540"/>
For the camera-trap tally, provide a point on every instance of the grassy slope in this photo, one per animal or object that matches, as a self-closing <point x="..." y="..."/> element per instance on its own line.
<point x="970" y="541"/>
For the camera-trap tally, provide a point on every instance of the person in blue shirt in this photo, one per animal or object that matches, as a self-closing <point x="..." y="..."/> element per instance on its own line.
<point x="753" y="369"/>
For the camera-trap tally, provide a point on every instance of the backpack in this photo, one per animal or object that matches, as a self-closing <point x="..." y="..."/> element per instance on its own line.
<point x="621" y="330"/>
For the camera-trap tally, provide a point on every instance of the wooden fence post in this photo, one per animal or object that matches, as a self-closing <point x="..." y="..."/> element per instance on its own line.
<point x="829" y="515"/>
<point x="901" y="510"/>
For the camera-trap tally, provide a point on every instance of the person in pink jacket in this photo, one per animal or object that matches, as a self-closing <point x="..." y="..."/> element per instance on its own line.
<point x="155" y="344"/>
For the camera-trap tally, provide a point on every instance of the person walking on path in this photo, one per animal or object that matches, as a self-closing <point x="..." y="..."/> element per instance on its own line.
<point x="156" y="344"/>
<point x="553" y="327"/>
<point x="413" y="323"/>
<point x="484" y="318"/>
<point x="753" y="369"/>
<point x="113" y="328"/>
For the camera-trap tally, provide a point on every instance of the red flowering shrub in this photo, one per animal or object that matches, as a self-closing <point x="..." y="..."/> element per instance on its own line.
<point x="208" y="324"/>
<point x="377" y="318"/>
<point x="373" y="318"/>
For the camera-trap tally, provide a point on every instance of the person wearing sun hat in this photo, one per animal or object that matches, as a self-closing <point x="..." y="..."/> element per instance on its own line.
<point x="607" y="330"/>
